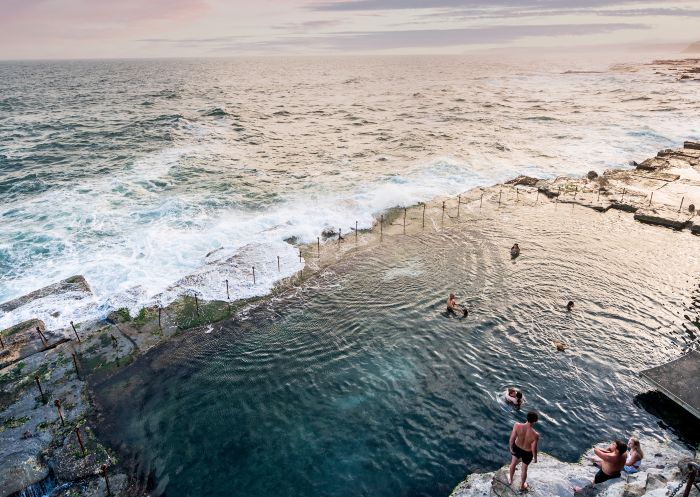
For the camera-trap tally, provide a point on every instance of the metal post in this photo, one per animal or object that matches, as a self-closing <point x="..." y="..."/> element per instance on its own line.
<point x="381" y="226"/>
<point x="41" y="390"/>
<point x="58" y="408"/>
<point x="2" y="344"/>
<point x="459" y="203"/>
<point x="442" y="221"/>
<point x="424" y="206"/>
<point x="623" y="195"/>
<point x="404" y="220"/>
<point x="355" y="231"/>
<point x="499" y="197"/>
<point x="598" y="195"/>
<point x="340" y="234"/>
<point x="538" y="195"/>
<point x="651" y="197"/>
<point x="575" y="191"/>
<point x="75" y="331"/>
<point x="318" y="246"/>
<point x="517" y="194"/>
<point x="159" y="310"/>
<point x="196" y="303"/>
<point x="43" y="338"/>
<point x="692" y="473"/>
<point x="253" y="275"/>
<point x="481" y="200"/>
<point x="228" y="296"/>
<point x="681" y="206"/>
<point x="278" y="263"/>
<point x="104" y="474"/>
<point x="80" y="440"/>
<point x="75" y="364"/>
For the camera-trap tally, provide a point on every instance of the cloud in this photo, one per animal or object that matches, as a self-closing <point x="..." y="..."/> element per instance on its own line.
<point x="355" y="5"/>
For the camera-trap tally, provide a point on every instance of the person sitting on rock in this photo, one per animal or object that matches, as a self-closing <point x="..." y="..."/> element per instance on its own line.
<point x="514" y="396"/>
<point x="453" y="307"/>
<point x="514" y="251"/>
<point x="611" y="460"/>
<point x="634" y="456"/>
<point x="523" y="445"/>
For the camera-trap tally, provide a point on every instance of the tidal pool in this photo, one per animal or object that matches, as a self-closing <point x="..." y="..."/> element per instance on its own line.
<point x="360" y="384"/>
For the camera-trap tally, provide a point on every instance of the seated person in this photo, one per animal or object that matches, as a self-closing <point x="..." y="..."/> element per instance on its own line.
<point x="515" y="250"/>
<point x="453" y="307"/>
<point x="514" y="396"/>
<point x="611" y="460"/>
<point x="634" y="456"/>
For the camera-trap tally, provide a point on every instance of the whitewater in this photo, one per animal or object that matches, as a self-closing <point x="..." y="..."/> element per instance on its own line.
<point x="145" y="176"/>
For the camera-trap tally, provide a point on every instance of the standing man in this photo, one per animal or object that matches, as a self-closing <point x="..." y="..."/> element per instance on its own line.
<point x="523" y="445"/>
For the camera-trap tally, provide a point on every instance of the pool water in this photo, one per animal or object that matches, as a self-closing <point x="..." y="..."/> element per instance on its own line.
<point x="360" y="384"/>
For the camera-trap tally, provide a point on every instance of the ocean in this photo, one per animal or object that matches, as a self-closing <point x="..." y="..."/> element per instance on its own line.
<point x="130" y="172"/>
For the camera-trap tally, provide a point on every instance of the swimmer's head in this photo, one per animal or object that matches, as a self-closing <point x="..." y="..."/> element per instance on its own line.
<point x="519" y="395"/>
<point x="452" y="295"/>
<point x="532" y="417"/>
<point x="570" y="305"/>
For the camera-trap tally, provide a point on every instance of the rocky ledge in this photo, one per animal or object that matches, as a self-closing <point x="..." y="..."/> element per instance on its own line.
<point x="664" y="467"/>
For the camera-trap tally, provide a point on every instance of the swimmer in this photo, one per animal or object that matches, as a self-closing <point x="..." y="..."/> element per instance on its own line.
<point x="453" y="307"/>
<point x="514" y="396"/>
<point x="570" y="306"/>
<point x="515" y="251"/>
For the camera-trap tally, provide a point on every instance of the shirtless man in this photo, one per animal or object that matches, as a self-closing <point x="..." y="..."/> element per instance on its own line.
<point x="453" y="307"/>
<point x="612" y="460"/>
<point x="523" y="445"/>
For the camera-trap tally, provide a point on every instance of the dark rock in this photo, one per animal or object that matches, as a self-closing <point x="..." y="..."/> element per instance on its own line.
<point x="119" y="316"/>
<point x="72" y="284"/>
<point x="523" y="180"/>
<point x="592" y="175"/>
<point x="328" y="232"/>
<point x="692" y="145"/>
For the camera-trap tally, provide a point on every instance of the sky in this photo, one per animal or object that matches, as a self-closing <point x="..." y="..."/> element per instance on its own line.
<point x="61" y="29"/>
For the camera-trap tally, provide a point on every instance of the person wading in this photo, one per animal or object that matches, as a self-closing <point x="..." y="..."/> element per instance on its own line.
<point x="523" y="445"/>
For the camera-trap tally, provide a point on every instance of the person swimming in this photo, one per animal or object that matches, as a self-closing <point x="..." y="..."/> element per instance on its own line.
<point x="453" y="307"/>
<point x="514" y="396"/>
<point x="634" y="456"/>
<point x="515" y="251"/>
<point x="570" y="305"/>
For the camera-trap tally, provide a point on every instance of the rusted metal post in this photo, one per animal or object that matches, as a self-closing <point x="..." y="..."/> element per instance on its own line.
<point x="499" y="197"/>
<point x="228" y="296"/>
<point x="424" y="206"/>
<point x="57" y="403"/>
<point x="355" y="231"/>
<point x="318" y="246"/>
<point x="459" y="203"/>
<point x="300" y="258"/>
<point x="481" y="199"/>
<point x="80" y="440"/>
<point x="340" y="235"/>
<point x="253" y="275"/>
<point x="623" y="195"/>
<point x="681" y="206"/>
<point x="442" y="221"/>
<point x="538" y="195"/>
<point x="381" y="226"/>
<point x="692" y="474"/>
<point x="651" y="197"/>
<point x="159" y="311"/>
<point x="43" y="338"/>
<point x="278" y="263"/>
<point x="196" y="303"/>
<point x="517" y="194"/>
<point x="41" y="390"/>
<point x="75" y="364"/>
<point x="404" y="220"/>
<point x="598" y="200"/>
<point x="104" y="474"/>
<point x="575" y="191"/>
<point x="75" y="331"/>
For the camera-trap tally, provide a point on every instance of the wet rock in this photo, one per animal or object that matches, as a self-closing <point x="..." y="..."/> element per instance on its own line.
<point x="523" y="180"/>
<point x="328" y="232"/>
<point x="96" y="487"/>
<point x="72" y="284"/>
<point x="692" y="145"/>
<point x="592" y="175"/>
<point x="663" y="217"/>
<point x="19" y="470"/>
<point x="69" y="463"/>
<point x="23" y="340"/>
